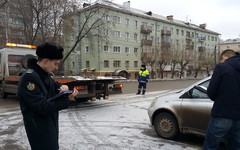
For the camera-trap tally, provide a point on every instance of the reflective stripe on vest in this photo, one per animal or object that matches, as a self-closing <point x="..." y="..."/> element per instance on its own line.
<point x="143" y="73"/>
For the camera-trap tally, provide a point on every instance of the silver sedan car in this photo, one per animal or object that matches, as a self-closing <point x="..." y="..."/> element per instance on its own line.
<point x="186" y="111"/>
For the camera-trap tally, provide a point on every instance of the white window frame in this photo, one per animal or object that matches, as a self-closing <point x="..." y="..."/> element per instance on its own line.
<point x="127" y="64"/>
<point x="87" y="49"/>
<point x="116" y="49"/>
<point x="127" y="21"/>
<point x="135" y="36"/>
<point x="106" y="17"/>
<point x="106" y="63"/>
<point x="127" y="50"/>
<point x="106" y="48"/>
<point x="116" y="19"/>
<point x="117" y="34"/>
<point x="116" y="63"/>
<point x="106" y="32"/>
<point x="135" y="50"/>
<point x="127" y="35"/>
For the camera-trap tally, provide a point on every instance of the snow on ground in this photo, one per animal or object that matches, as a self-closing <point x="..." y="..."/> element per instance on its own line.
<point x="120" y="123"/>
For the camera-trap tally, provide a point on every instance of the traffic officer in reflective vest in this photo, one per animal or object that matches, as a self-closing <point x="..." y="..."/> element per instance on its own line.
<point x="142" y="79"/>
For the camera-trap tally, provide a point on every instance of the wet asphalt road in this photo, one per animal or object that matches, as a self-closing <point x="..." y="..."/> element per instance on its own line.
<point x="131" y="87"/>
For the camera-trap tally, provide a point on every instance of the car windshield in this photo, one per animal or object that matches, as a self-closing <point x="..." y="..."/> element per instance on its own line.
<point x="199" y="94"/>
<point x="205" y="84"/>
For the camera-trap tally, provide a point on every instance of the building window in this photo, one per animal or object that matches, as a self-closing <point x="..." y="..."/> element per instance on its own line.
<point x="106" y="17"/>
<point x="182" y="32"/>
<point x="196" y="35"/>
<point x="117" y="34"/>
<point x="106" y="64"/>
<point x="116" y="63"/>
<point x="212" y="38"/>
<point x="106" y="32"/>
<point x="127" y="50"/>
<point x="192" y="34"/>
<point x="127" y="22"/>
<point x="127" y="64"/>
<point x="177" y="31"/>
<point x="215" y="39"/>
<point x="144" y="24"/>
<point x="136" y="23"/>
<point x="87" y="50"/>
<point x="116" y="49"/>
<point x="188" y="34"/>
<point x="116" y="19"/>
<point x="144" y="37"/>
<point x="152" y="38"/>
<point x="87" y="64"/>
<point x="135" y="36"/>
<point x="158" y="40"/>
<point x="127" y="35"/>
<point x="106" y="48"/>
<point x="73" y="64"/>
<point x="135" y="50"/>
<point x="72" y="37"/>
<point x="135" y="64"/>
<point x="158" y="27"/>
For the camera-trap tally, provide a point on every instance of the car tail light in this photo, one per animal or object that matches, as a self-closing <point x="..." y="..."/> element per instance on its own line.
<point x="81" y="88"/>
<point x="118" y="85"/>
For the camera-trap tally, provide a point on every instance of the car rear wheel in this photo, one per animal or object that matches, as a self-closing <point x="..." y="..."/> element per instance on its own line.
<point x="166" y="126"/>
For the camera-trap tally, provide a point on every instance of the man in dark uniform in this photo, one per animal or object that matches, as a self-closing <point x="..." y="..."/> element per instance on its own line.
<point x="143" y="78"/>
<point x="35" y="87"/>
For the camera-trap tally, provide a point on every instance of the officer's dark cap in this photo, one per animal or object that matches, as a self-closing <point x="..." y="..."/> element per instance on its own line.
<point x="143" y="66"/>
<point x="50" y="51"/>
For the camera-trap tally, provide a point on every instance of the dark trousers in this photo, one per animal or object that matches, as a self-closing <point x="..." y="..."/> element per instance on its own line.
<point x="140" y="86"/>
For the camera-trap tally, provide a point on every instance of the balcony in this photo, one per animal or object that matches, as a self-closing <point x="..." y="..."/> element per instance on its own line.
<point x="201" y="49"/>
<point x="146" y="56"/>
<point x="201" y="39"/>
<point x="165" y="45"/>
<point x="146" y="42"/>
<point x="189" y="47"/>
<point x="146" y="29"/>
<point x="166" y="32"/>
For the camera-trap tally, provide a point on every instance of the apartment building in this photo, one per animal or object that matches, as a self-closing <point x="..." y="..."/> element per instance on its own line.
<point x="127" y="37"/>
<point x="233" y="44"/>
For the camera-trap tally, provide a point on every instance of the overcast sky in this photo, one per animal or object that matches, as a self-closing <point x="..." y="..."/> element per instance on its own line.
<point x="222" y="16"/>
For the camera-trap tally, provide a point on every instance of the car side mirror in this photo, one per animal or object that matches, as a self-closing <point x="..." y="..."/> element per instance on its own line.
<point x="201" y="88"/>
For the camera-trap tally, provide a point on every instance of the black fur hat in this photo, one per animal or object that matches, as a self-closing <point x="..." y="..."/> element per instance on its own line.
<point x="50" y="51"/>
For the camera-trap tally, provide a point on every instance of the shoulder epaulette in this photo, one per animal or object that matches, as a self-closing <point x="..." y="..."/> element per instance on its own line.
<point x="29" y="71"/>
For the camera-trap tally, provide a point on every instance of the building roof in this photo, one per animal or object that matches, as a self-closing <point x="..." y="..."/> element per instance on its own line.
<point x="148" y="15"/>
<point x="231" y="41"/>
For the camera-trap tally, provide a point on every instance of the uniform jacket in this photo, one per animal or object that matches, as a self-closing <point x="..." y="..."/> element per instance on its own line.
<point x="40" y="116"/>
<point x="224" y="89"/>
<point x="143" y="76"/>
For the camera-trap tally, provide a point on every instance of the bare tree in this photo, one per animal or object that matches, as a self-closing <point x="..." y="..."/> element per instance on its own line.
<point x="2" y="4"/>
<point x="208" y="62"/>
<point x="163" y="61"/>
<point x="42" y="20"/>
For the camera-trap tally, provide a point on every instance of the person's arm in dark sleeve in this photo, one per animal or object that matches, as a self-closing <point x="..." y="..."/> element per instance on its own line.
<point x="214" y="82"/>
<point x="37" y="101"/>
<point x="147" y="77"/>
